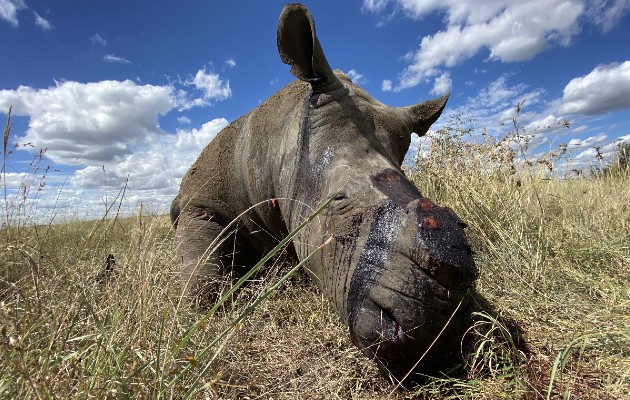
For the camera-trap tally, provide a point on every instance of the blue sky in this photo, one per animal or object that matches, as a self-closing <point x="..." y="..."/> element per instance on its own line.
<point x="119" y="89"/>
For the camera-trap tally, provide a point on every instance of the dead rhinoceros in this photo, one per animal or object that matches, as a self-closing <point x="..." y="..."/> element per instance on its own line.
<point x="398" y="266"/>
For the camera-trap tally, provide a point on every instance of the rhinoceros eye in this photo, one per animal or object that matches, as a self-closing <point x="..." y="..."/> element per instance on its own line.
<point x="340" y="196"/>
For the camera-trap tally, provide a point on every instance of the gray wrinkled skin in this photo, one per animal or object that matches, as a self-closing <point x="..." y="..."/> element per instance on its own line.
<point x="398" y="265"/>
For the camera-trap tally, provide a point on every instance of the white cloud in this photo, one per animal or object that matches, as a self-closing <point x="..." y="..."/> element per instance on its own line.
<point x="495" y="104"/>
<point x="194" y="140"/>
<point x="151" y="174"/>
<point x="183" y="120"/>
<point x="580" y="129"/>
<point x="547" y="124"/>
<point x="594" y="151"/>
<point x="211" y="85"/>
<point x="509" y="31"/>
<point x="493" y="108"/>
<point x="98" y="39"/>
<point x="151" y="167"/>
<point x="230" y="62"/>
<point x="607" y="13"/>
<point x="42" y="22"/>
<point x="386" y="85"/>
<point x="375" y="6"/>
<point x="101" y="122"/>
<point x="442" y="85"/>
<point x="110" y="58"/>
<point x="419" y="146"/>
<point x="604" y="89"/>
<point x="543" y="122"/>
<point x="89" y="122"/>
<point x="107" y="132"/>
<point x="542" y="127"/>
<point x="592" y="141"/>
<point x="9" y="10"/>
<point x="15" y="180"/>
<point x="356" y="77"/>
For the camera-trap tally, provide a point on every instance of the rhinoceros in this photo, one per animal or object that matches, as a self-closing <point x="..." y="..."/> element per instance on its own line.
<point x="398" y="270"/>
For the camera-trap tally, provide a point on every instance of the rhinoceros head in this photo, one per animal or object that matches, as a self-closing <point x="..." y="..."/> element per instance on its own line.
<point x="399" y="268"/>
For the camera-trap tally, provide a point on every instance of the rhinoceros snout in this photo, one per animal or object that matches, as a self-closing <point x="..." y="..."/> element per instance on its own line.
<point x="436" y="242"/>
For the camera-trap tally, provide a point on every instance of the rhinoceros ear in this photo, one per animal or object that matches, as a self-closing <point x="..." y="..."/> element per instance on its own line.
<point x="423" y="115"/>
<point x="298" y="46"/>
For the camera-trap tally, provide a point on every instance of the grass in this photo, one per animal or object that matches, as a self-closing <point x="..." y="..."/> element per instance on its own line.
<point x="553" y="315"/>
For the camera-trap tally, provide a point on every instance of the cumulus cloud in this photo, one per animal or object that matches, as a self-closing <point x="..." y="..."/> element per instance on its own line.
<point x="98" y="39"/>
<point x="183" y="120"/>
<point x="442" y="84"/>
<point x="110" y="58"/>
<point x="14" y="180"/>
<point x="356" y="77"/>
<point x="386" y="85"/>
<point x="42" y="22"/>
<point x="194" y="140"/>
<point x="108" y="133"/>
<point x="149" y="165"/>
<point x="604" y="89"/>
<point x="508" y="31"/>
<point x="150" y="175"/>
<point x="9" y="11"/>
<point x="230" y="62"/>
<point x="89" y="122"/>
<point x="211" y="85"/>
<point x="159" y="164"/>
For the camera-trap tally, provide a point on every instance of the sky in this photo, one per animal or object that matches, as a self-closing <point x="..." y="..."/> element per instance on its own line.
<point x="117" y="94"/>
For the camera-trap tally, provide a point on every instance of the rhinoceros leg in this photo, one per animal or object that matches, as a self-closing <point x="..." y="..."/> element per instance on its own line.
<point x="204" y="264"/>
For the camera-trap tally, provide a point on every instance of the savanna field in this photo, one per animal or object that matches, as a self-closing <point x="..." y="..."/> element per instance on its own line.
<point x="91" y="309"/>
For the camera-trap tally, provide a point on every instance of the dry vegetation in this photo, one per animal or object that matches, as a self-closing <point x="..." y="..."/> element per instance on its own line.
<point x="553" y="316"/>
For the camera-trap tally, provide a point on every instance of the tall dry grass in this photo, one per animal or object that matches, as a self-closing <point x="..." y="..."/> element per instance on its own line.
<point x="554" y="254"/>
<point x="91" y="309"/>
